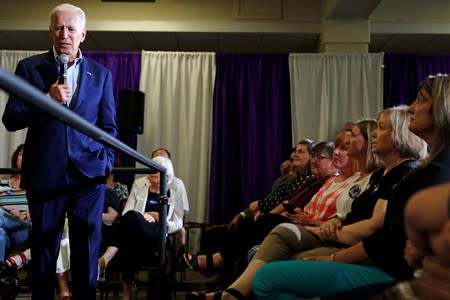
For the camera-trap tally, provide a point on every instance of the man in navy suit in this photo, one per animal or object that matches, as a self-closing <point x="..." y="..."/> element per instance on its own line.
<point x="63" y="169"/>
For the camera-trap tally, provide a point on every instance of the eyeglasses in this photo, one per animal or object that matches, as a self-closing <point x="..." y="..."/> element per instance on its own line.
<point x="319" y="157"/>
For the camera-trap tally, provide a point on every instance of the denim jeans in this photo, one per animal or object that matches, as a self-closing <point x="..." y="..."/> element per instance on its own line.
<point x="13" y="232"/>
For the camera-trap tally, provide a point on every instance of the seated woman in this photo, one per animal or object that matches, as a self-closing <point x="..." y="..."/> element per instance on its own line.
<point x="427" y="225"/>
<point x="241" y="225"/>
<point x="138" y="232"/>
<point x="299" y="172"/>
<point x="15" y="224"/>
<point x="430" y="120"/>
<point x="334" y="196"/>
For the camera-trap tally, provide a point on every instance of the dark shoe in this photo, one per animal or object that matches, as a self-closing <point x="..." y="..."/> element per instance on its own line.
<point x="191" y="260"/>
<point x="8" y="282"/>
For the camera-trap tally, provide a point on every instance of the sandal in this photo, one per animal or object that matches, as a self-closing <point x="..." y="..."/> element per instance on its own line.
<point x="202" y="296"/>
<point x="192" y="261"/>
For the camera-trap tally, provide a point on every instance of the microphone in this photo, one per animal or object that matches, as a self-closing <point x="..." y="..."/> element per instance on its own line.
<point x="63" y="60"/>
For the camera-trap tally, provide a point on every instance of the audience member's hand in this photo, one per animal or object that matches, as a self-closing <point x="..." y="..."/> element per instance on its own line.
<point x="15" y="212"/>
<point x="299" y="217"/>
<point x="254" y="206"/>
<point x="107" y="219"/>
<point x="149" y="218"/>
<point x="328" y="230"/>
<point x="155" y="215"/>
<point x="60" y="92"/>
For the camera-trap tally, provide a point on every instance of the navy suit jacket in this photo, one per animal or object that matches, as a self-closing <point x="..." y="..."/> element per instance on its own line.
<point x="50" y="144"/>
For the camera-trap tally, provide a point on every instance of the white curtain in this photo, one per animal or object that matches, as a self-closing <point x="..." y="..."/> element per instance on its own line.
<point x="328" y="90"/>
<point x="178" y="91"/>
<point x="10" y="140"/>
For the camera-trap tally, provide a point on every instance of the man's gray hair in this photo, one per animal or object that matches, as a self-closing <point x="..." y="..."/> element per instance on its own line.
<point x="67" y="7"/>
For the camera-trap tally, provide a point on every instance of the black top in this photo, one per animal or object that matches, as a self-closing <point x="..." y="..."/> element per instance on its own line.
<point x="379" y="187"/>
<point x="152" y="203"/>
<point x="111" y="200"/>
<point x="386" y="246"/>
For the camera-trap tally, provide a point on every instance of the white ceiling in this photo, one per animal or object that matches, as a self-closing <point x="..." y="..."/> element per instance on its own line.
<point x="390" y="34"/>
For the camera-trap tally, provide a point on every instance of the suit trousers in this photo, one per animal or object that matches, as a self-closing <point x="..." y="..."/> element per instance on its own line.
<point x="82" y="202"/>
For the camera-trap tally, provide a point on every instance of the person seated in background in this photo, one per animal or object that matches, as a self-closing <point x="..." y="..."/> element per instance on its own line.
<point x="299" y="175"/>
<point x="138" y="230"/>
<point x="299" y="172"/>
<point x="16" y="163"/>
<point x="379" y="258"/>
<point x="120" y="188"/>
<point x="176" y="184"/>
<point x="15" y="223"/>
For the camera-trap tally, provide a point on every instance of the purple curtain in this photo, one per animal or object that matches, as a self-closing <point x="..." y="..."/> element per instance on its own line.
<point x="126" y="72"/>
<point x="404" y="72"/>
<point x="251" y="129"/>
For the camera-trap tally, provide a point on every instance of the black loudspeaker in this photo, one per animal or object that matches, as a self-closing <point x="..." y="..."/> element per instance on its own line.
<point x="131" y="111"/>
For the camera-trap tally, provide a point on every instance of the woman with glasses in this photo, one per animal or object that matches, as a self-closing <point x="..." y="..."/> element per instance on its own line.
<point x="378" y="258"/>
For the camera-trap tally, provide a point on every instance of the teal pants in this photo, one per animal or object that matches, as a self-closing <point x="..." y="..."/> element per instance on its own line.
<point x="307" y="279"/>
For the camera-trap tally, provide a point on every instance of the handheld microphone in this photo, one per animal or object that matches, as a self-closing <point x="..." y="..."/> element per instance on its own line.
<point x="63" y="60"/>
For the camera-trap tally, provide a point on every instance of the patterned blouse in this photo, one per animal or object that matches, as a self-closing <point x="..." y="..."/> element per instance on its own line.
<point x="121" y="190"/>
<point x="283" y="192"/>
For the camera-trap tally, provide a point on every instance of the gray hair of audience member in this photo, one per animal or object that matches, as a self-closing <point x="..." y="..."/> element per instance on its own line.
<point x="166" y="163"/>
<point x="324" y="147"/>
<point x="406" y="143"/>
<point x="67" y="7"/>
<point x="438" y="86"/>
<point x="367" y="126"/>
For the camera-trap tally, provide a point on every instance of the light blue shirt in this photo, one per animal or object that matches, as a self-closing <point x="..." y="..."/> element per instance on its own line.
<point x="73" y="73"/>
